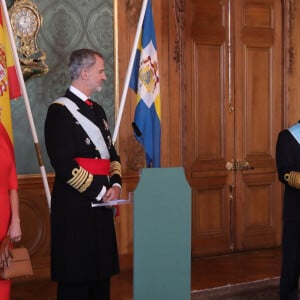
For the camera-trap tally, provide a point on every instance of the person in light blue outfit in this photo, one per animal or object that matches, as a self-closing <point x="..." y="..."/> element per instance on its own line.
<point x="288" y="167"/>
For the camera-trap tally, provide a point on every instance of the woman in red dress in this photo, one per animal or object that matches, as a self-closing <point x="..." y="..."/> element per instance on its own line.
<point x="10" y="229"/>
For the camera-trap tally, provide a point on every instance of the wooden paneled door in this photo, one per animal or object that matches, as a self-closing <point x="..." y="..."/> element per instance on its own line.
<point x="233" y="104"/>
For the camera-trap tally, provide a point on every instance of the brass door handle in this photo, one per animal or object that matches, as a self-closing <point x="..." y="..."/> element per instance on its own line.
<point x="236" y="166"/>
<point x="244" y="165"/>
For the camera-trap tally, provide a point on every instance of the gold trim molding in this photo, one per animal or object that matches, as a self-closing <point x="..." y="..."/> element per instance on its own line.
<point x="179" y="42"/>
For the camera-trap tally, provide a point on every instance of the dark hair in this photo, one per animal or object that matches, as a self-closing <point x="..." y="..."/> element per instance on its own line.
<point x="80" y="59"/>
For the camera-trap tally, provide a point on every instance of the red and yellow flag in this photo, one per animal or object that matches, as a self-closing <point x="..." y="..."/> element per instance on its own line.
<point x="9" y="83"/>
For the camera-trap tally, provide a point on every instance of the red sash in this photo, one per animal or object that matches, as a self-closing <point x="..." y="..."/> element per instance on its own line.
<point x="94" y="166"/>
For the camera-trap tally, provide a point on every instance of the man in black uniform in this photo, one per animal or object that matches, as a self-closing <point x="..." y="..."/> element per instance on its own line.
<point x="87" y="172"/>
<point x="288" y="166"/>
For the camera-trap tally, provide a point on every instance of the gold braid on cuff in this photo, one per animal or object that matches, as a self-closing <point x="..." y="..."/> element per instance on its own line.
<point x="115" y="168"/>
<point x="293" y="179"/>
<point x="81" y="179"/>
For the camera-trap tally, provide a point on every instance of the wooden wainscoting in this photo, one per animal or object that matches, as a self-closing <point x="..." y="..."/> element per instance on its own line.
<point x="35" y="220"/>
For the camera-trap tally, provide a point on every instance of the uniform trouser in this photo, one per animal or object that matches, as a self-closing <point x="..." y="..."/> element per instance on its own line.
<point x="91" y="290"/>
<point x="290" y="261"/>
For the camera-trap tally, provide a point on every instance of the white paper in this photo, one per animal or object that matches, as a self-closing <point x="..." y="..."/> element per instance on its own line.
<point x="111" y="203"/>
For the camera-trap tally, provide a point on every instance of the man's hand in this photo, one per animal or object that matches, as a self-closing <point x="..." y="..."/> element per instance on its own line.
<point x="112" y="193"/>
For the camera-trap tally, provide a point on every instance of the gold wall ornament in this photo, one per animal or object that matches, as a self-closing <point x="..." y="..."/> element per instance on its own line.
<point x="26" y="23"/>
<point x="133" y="10"/>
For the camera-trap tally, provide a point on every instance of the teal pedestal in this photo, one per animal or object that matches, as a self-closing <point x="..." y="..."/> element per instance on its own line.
<point x="162" y="235"/>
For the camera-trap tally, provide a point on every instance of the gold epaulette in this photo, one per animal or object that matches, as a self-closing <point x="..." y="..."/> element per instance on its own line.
<point x="62" y="104"/>
<point x="293" y="179"/>
<point x="115" y="168"/>
<point x="81" y="179"/>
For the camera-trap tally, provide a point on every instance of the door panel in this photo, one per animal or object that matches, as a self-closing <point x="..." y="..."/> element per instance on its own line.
<point x="209" y="127"/>
<point x="258" y="103"/>
<point x="233" y="113"/>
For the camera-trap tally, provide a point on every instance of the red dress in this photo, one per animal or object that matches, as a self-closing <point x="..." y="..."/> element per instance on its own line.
<point x="8" y="181"/>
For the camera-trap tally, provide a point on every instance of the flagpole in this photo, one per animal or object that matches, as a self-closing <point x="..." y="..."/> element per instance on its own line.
<point x="129" y="70"/>
<point x="26" y="101"/>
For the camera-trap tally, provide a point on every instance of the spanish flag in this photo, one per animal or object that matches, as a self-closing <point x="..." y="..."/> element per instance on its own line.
<point x="9" y="83"/>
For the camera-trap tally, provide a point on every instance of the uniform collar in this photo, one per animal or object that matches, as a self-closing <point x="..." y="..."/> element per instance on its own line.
<point x="78" y="93"/>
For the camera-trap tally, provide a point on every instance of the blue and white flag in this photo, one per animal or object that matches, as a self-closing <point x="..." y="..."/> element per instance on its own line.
<point x="145" y="82"/>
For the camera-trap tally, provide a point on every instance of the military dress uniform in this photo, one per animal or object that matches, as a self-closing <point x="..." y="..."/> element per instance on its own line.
<point x="83" y="240"/>
<point x="288" y="166"/>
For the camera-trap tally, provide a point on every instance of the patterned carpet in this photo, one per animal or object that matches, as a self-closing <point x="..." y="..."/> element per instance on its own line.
<point x="267" y="289"/>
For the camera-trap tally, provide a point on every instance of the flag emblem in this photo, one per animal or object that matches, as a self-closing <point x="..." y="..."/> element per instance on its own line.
<point x="148" y="77"/>
<point x="3" y="74"/>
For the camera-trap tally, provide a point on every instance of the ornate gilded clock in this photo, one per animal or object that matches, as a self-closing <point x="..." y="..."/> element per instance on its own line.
<point x="26" y="22"/>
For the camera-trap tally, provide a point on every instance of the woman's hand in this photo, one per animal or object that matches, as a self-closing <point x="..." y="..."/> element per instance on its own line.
<point x="5" y="255"/>
<point x="14" y="231"/>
